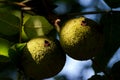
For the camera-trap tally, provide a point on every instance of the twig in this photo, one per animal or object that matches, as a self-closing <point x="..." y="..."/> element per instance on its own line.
<point x="92" y="12"/>
<point x="21" y="24"/>
<point x="13" y="3"/>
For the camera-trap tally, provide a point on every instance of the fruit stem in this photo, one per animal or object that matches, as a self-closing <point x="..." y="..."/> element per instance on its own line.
<point x="56" y="23"/>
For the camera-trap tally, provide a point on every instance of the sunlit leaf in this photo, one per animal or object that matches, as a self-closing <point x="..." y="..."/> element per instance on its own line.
<point x="9" y="24"/>
<point x="4" y="50"/>
<point x="37" y="26"/>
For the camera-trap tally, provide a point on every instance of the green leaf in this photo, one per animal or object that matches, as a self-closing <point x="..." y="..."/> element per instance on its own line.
<point x="4" y="50"/>
<point x="19" y="46"/>
<point x="9" y="24"/>
<point x="37" y="26"/>
<point x="111" y="25"/>
<point x="113" y="3"/>
<point x="15" y="53"/>
<point x="26" y="17"/>
<point x="24" y="36"/>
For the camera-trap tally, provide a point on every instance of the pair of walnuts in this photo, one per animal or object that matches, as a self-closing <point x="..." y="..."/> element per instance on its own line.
<point x="44" y="57"/>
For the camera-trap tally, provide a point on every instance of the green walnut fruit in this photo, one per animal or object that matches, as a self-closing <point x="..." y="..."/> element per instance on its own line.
<point x="37" y="26"/>
<point x="4" y="50"/>
<point x="81" y="38"/>
<point x="42" y="58"/>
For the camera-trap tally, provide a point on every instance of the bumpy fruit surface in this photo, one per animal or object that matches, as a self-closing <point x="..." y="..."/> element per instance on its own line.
<point x="42" y="58"/>
<point x="81" y="38"/>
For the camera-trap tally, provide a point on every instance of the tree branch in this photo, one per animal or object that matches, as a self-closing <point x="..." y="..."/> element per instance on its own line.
<point x="94" y="12"/>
